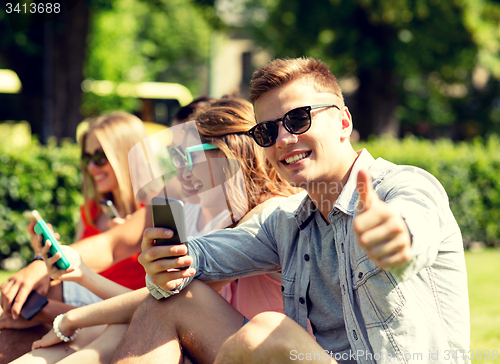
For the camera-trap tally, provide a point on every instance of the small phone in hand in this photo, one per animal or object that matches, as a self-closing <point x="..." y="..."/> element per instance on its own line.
<point x="109" y="209"/>
<point x="32" y="215"/>
<point x="168" y="213"/>
<point x="33" y="304"/>
<point x="42" y="229"/>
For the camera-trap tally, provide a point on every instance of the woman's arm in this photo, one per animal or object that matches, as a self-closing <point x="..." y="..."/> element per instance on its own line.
<point x="101" y="251"/>
<point x="80" y="273"/>
<point x="116" y="310"/>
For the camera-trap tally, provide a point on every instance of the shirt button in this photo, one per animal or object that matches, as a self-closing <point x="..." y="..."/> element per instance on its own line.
<point x="354" y="334"/>
<point x="302" y="300"/>
<point x="343" y="288"/>
<point x="306" y="257"/>
<point x="360" y="275"/>
<point x="282" y="289"/>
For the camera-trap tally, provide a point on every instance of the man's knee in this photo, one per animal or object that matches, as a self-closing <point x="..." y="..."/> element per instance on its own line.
<point x="267" y="335"/>
<point x="197" y="296"/>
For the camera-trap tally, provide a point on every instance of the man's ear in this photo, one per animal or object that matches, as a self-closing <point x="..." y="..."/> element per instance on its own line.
<point x="346" y="126"/>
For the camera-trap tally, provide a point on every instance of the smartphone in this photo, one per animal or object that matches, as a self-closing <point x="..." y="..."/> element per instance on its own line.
<point x="109" y="209"/>
<point x="41" y="228"/>
<point x="169" y="213"/>
<point x="34" y="304"/>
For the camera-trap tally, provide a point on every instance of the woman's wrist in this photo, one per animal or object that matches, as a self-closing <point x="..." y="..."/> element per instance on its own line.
<point x="61" y="332"/>
<point x="66" y="325"/>
<point x="86" y="273"/>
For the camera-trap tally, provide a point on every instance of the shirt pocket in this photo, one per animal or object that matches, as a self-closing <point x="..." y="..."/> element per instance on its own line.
<point x="287" y="291"/>
<point x="377" y="293"/>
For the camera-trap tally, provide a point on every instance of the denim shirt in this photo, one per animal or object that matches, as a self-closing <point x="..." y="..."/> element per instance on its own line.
<point x="417" y="313"/>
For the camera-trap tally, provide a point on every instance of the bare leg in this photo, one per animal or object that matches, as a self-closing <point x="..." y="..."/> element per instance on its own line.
<point x="57" y="352"/>
<point x="100" y="350"/>
<point x="271" y="338"/>
<point x="194" y="322"/>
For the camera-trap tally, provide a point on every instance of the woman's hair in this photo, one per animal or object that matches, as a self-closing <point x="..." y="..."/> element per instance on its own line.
<point x="224" y="125"/>
<point x="186" y="113"/>
<point x="282" y="71"/>
<point x="117" y="133"/>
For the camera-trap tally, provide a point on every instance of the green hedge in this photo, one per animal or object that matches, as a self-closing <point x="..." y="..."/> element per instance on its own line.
<point x="469" y="173"/>
<point x="47" y="178"/>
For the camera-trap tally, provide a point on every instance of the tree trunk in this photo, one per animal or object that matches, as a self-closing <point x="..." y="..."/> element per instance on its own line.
<point x="375" y="102"/>
<point x="68" y="54"/>
<point x="51" y="73"/>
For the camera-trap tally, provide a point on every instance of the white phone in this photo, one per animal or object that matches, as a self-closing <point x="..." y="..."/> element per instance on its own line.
<point x="109" y="209"/>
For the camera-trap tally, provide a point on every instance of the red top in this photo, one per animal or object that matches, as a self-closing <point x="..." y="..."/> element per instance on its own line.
<point x="128" y="272"/>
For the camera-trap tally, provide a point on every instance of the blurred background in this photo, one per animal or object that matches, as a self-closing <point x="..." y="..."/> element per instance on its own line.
<point x="421" y="78"/>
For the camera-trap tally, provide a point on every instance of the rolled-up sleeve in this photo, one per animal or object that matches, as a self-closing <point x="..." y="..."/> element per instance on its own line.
<point x="421" y="201"/>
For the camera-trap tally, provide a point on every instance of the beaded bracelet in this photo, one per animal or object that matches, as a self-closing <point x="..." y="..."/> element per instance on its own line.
<point x="58" y="333"/>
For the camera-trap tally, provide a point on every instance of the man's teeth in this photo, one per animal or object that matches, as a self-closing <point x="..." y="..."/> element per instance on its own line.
<point x="295" y="158"/>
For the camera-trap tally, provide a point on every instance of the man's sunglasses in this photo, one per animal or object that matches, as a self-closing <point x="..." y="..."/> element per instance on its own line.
<point x="99" y="158"/>
<point x="181" y="160"/>
<point x="296" y="121"/>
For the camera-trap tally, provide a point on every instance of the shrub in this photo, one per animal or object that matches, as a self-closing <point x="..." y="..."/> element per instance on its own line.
<point x="45" y="178"/>
<point x="468" y="171"/>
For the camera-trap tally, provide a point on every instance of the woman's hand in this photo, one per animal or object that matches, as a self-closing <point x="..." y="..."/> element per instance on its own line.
<point x="34" y="237"/>
<point x="51" y="338"/>
<point x="48" y="339"/>
<point x="77" y="269"/>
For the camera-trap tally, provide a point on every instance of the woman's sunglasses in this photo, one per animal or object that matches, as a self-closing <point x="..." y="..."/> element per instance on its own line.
<point x="181" y="160"/>
<point x="99" y="158"/>
<point x="296" y="121"/>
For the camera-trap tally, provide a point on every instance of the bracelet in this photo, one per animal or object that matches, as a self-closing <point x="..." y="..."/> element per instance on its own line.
<point x="36" y="257"/>
<point x="58" y="333"/>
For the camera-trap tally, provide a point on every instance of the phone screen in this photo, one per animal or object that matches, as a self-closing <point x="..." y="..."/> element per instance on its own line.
<point x="169" y="213"/>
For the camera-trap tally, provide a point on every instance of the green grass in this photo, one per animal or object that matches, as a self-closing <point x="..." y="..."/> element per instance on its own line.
<point x="4" y="275"/>
<point x="483" y="269"/>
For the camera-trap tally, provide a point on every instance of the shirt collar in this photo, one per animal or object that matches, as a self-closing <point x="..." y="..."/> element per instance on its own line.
<point x="348" y="198"/>
<point x="346" y="202"/>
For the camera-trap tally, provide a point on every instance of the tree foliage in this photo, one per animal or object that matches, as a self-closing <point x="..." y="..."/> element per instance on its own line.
<point x="414" y="59"/>
<point x="136" y="41"/>
<point x="118" y="40"/>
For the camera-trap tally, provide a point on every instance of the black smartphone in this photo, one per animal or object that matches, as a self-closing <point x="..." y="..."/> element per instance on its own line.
<point x="169" y="213"/>
<point x="34" y="304"/>
<point x="109" y="209"/>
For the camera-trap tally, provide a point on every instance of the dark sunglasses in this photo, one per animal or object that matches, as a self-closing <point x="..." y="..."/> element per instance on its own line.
<point x="296" y="121"/>
<point x="99" y="158"/>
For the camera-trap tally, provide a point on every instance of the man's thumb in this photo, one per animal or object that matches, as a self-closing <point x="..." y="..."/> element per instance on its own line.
<point x="365" y="190"/>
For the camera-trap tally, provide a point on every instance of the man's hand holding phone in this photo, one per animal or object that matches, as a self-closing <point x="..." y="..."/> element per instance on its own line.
<point x="164" y="263"/>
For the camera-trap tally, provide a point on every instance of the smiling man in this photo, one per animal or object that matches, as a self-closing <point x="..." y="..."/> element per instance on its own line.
<point x="370" y="253"/>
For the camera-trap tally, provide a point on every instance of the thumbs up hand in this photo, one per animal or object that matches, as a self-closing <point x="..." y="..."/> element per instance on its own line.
<point x="383" y="234"/>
